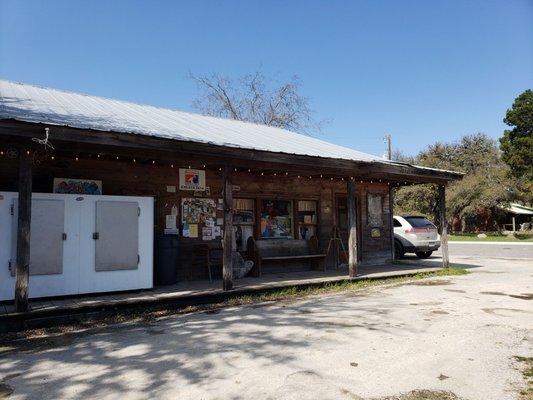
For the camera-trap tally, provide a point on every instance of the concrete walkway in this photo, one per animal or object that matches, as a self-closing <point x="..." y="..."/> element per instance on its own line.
<point x="457" y="334"/>
<point x="494" y="250"/>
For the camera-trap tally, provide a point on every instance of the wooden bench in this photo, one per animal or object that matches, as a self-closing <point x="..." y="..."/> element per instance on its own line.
<point x="280" y="250"/>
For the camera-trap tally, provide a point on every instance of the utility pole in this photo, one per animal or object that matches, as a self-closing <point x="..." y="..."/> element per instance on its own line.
<point x="388" y="141"/>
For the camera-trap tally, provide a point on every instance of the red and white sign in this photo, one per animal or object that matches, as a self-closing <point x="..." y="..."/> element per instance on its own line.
<point x="192" y="179"/>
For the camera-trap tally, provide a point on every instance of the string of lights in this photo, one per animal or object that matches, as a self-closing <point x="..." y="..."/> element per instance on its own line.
<point x="13" y="154"/>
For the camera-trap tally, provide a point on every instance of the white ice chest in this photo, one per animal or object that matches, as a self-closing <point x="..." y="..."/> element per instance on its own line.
<point x="79" y="244"/>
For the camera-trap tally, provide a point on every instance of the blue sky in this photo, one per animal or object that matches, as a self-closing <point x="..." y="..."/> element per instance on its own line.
<point x="420" y="70"/>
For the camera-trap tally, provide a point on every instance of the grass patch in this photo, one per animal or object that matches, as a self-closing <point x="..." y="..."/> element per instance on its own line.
<point x="292" y="292"/>
<point x="143" y="315"/>
<point x="491" y="237"/>
<point x="527" y="372"/>
<point x="423" y="395"/>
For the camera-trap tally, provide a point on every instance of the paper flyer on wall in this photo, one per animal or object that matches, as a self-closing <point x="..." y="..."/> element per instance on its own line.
<point x="207" y="233"/>
<point x="186" y="230"/>
<point x="170" y="221"/>
<point x="193" y="230"/>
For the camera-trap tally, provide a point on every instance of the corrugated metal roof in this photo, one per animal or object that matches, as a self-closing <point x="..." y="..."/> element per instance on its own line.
<point x="519" y="209"/>
<point x="37" y="104"/>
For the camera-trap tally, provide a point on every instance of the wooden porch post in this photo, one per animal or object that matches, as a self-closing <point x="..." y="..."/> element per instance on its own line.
<point x="443" y="227"/>
<point x="352" y="223"/>
<point x="227" y="260"/>
<point x="23" y="233"/>
<point x="391" y="221"/>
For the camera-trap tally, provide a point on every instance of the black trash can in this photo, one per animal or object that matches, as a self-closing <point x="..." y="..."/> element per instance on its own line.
<point x="166" y="259"/>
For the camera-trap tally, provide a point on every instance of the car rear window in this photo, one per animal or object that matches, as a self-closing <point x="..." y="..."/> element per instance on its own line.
<point x="419" y="222"/>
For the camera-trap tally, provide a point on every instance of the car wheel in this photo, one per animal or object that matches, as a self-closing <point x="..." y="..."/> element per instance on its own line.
<point x="399" y="251"/>
<point x="424" y="254"/>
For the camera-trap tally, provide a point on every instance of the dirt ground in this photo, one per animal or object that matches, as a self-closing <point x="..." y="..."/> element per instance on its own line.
<point x="445" y="338"/>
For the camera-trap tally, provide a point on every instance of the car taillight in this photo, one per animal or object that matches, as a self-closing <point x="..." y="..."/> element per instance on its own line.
<point x="418" y="230"/>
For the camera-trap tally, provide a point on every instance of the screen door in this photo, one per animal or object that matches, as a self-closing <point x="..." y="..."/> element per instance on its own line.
<point x="46" y="236"/>
<point x="117" y="235"/>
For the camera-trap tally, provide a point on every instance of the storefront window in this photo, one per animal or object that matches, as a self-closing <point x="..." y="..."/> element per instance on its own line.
<point x="243" y="222"/>
<point x="276" y="219"/>
<point x="307" y="219"/>
<point x="342" y="213"/>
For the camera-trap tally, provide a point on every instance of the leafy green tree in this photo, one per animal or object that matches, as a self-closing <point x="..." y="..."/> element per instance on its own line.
<point x="438" y="155"/>
<point x="475" y="152"/>
<point x="417" y="200"/>
<point x="472" y="202"/>
<point x="517" y="143"/>
<point x="475" y="201"/>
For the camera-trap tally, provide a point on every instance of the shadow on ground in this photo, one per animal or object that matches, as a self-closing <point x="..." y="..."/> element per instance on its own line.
<point x="170" y="354"/>
<point x="150" y="358"/>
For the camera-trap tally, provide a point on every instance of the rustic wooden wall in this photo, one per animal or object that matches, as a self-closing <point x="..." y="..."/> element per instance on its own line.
<point x="144" y="179"/>
<point x="374" y="250"/>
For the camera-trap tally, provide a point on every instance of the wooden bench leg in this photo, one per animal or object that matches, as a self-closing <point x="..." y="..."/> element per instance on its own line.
<point x="209" y="267"/>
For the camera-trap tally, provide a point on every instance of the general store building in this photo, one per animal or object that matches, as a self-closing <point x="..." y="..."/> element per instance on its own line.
<point x="100" y="195"/>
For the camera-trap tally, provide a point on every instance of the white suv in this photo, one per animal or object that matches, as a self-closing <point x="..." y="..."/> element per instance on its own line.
<point x="415" y="234"/>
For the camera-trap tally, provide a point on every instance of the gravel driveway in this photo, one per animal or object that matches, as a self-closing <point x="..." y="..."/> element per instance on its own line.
<point x="457" y="334"/>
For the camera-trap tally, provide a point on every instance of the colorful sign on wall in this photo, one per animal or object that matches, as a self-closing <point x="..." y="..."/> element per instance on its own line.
<point x="77" y="186"/>
<point x="192" y="179"/>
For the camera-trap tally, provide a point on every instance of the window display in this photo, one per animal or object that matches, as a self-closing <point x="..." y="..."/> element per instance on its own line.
<point x="243" y="222"/>
<point x="307" y="219"/>
<point x="276" y="219"/>
<point x="243" y="212"/>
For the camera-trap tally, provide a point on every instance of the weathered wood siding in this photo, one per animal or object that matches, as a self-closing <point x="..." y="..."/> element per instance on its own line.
<point x="375" y="250"/>
<point x="145" y="179"/>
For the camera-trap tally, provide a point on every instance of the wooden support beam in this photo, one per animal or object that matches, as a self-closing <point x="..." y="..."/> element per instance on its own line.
<point x="23" y="232"/>
<point x="227" y="259"/>
<point x="391" y="219"/>
<point x="352" y="224"/>
<point x="443" y="227"/>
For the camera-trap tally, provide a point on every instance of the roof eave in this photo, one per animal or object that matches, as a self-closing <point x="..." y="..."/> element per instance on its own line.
<point x="403" y="172"/>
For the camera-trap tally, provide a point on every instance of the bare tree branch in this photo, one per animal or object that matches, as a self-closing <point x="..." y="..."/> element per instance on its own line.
<point x="253" y="98"/>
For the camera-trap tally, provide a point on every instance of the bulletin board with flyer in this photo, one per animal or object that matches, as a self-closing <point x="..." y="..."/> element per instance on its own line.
<point x="200" y="218"/>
